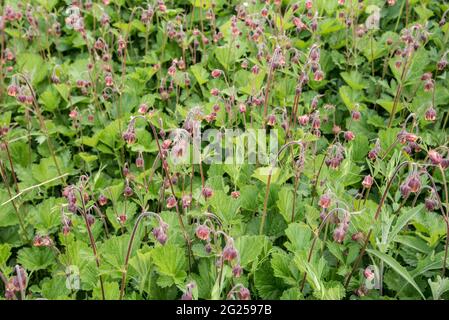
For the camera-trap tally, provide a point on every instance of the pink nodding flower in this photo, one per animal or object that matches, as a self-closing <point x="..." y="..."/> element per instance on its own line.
<point x="13" y="90"/>
<point x="128" y="192"/>
<point x="339" y="234"/>
<point x="73" y="114"/>
<point x="318" y="75"/>
<point x="229" y="252"/>
<point x="303" y="120"/>
<point x="309" y="4"/>
<point x="414" y="183"/>
<point x="435" y="157"/>
<point x="430" y="204"/>
<point x="336" y="129"/>
<point x="355" y="114"/>
<point x="186" y="201"/>
<point x="143" y="108"/>
<point x="368" y="181"/>
<point x="271" y="120"/>
<point x="431" y="114"/>
<point x="108" y="80"/>
<point x="207" y="192"/>
<point x="102" y="200"/>
<point x="171" y="202"/>
<point x="166" y="144"/>
<point x="244" y="294"/>
<point x="202" y="232"/>
<point x="237" y="271"/>
<point x="216" y="73"/>
<point x="349" y="136"/>
<point x="324" y="201"/>
<point x="368" y="274"/>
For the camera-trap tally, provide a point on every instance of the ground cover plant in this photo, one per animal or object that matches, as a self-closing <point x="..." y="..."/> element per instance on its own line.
<point x="107" y="192"/>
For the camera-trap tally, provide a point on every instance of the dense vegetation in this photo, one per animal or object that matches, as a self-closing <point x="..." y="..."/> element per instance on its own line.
<point x="100" y="100"/>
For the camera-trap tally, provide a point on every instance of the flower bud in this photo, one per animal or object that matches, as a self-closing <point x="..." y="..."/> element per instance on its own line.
<point x="349" y="135"/>
<point x="339" y="234"/>
<point x="90" y="219"/>
<point x="324" y="201"/>
<point x="128" y="191"/>
<point x="202" y="232"/>
<point x="229" y="252"/>
<point x="431" y="114"/>
<point x="303" y="120"/>
<point x="237" y="271"/>
<point x="435" y="157"/>
<point x="207" y="192"/>
<point x="171" y="202"/>
<point x="367" y="181"/>
<point x="355" y="114"/>
<point x="216" y="73"/>
<point x="368" y="274"/>
<point x="235" y="194"/>
<point x="414" y="183"/>
<point x="244" y="294"/>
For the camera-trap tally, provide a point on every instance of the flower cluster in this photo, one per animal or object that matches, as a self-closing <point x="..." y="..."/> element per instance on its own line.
<point x="16" y="284"/>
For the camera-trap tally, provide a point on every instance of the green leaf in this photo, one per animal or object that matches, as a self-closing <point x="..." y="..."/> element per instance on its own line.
<point x="32" y="66"/>
<point x="278" y="176"/>
<point x="249" y="248"/>
<point x="170" y="261"/>
<point x="113" y="252"/>
<point x="372" y="49"/>
<point x="50" y="99"/>
<point x="314" y="270"/>
<point x="403" y="219"/>
<point x="64" y="90"/>
<point x="111" y="291"/>
<point x="87" y="157"/>
<point x="388" y="105"/>
<point x="35" y="258"/>
<point x="360" y="147"/>
<point x="354" y="79"/>
<point x="268" y="286"/>
<point x="284" y="268"/>
<point x="330" y="26"/>
<point x="397" y="268"/>
<point x="8" y="216"/>
<point x="227" y="56"/>
<point x="248" y="194"/>
<point x="247" y="82"/>
<point x="350" y="97"/>
<point x="438" y="287"/>
<point x="55" y="288"/>
<point x="205" y="278"/>
<point x="46" y="170"/>
<point x="430" y="226"/>
<point x="227" y="208"/>
<point x="332" y="291"/>
<point x="423" y="13"/>
<point x="292" y="294"/>
<point x="299" y="236"/>
<point x="46" y="217"/>
<point x="201" y="75"/>
<point x="5" y="253"/>
<point x="413" y="242"/>
<point x="141" y="264"/>
<point x="285" y="203"/>
<point x="204" y="4"/>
